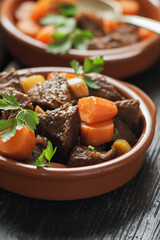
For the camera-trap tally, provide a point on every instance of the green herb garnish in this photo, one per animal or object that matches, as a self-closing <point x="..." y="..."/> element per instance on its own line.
<point x="47" y="153"/>
<point x="90" y="147"/>
<point x="89" y="66"/>
<point x="25" y="116"/>
<point x="68" y="10"/>
<point x="67" y="34"/>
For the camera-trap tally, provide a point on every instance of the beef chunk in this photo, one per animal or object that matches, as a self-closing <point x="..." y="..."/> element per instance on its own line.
<point x="91" y="24"/>
<point x="123" y="35"/>
<point x="122" y="131"/>
<point x="51" y="94"/>
<point x="128" y="112"/>
<point x="12" y="80"/>
<point x="22" y="99"/>
<point x="82" y="156"/>
<point x="61" y="126"/>
<point x="106" y="89"/>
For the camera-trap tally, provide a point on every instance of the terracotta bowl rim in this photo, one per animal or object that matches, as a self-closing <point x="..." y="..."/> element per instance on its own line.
<point x="148" y="110"/>
<point x="115" y="54"/>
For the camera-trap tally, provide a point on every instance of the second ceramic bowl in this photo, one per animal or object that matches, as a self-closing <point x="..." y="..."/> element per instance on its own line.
<point x="120" y="62"/>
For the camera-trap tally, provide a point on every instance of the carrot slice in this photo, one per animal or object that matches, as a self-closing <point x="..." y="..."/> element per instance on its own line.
<point x="95" y="109"/>
<point x="28" y="26"/>
<point x="144" y="33"/>
<point x="20" y="146"/>
<point x="41" y="9"/>
<point x="129" y="6"/>
<point x="97" y="133"/>
<point x="109" y="25"/>
<point x="45" y="34"/>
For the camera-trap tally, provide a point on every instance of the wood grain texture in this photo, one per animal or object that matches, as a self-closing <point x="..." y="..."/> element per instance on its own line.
<point x="130" y="212"/>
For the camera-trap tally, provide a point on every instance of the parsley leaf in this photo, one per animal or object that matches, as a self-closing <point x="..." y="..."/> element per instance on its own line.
<point x="25" y="116"/>
<point x="90" y="83"/>
<point x="48" y="153"/>
<point x="76" y="66"/>
<point x="95" y="65"/>
<point x="68" y="10"/>
<point x="8" y="103"/>
<point x="55" y="19"/>
<point x="89" y="66"/>
<point x="67" y="34"/>
<point x="67" y="26"/>
<point x="60" y="47"/>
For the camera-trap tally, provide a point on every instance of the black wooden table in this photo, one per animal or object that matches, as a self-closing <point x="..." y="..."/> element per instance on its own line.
<point x="130" y="212"/>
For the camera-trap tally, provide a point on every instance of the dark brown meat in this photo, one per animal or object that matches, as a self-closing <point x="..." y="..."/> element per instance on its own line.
<point x="41" y="144"/>
<point x="82" y="156"/>
<point x="22" y="99"/>
<point x="89" y="23"/>
<point x="122" y="36"/>
<point x="128" y="112"/>
<point x="51" y="94"/>
<point x="61" y="126"/>
<point x="122" y="131"/>
<point x="12" y="80"/>
<point x="106" y="90"/>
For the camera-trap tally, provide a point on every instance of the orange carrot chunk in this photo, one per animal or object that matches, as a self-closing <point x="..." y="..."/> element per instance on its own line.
<point x="45" y="34"/>
<point x="129" y="6"/>
<point x="97" y="133"/>
<point x="41" y="9"/>
<point x="144" y="33"/>
<point x="109" y="25"/>
<point x="95" y="109"/>
<point x="20" y="146"/>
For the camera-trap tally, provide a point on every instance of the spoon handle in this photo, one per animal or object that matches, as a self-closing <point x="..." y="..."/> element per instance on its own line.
<point x="143" y="22"/>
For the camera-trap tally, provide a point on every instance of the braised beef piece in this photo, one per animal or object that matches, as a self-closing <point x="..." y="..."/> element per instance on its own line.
<point x="91" y="24"/>
<point x="122" y="131"/>
<point x="51" y="94"/>
<point x="82" y="156"/>
<point x="128" y="112"/>
<point x="106" y="89"/>
<point x="123" y="35"/>
<point x="12" y="80"/>
<point x="61" y="126"/>
<point x="22" y="99"/>
<point x="41" y="144"/>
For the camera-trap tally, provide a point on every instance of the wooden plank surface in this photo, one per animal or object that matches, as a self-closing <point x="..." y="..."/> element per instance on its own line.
<point x="130" y="212"/>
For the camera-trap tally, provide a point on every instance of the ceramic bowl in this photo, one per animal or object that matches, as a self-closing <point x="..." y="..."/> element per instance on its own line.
<point x="120" y="62"/>
<point x="81" y="182"/>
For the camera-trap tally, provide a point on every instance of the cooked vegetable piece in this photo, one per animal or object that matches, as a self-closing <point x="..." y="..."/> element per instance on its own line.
<point x="97" y="133"/>
<point x="28" y="26"/>
<point x="144" y="33"/>
<point x="45" y="34"/>
<point x="78" y="87"/>
<point x="121" y="146"/>
<point x="32" y="81"/>
<point x="95" y="109"/>
<point x="20" y="146"/>
<point x="24" y="11"/>
<point x="38" y="109"/>
<point x="109" y="25"/>
<point x="129" y="6"/>
<point x="41" y="9"/>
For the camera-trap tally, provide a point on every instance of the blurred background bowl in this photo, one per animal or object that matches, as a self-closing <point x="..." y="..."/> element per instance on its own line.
<point x="119" y="62"/>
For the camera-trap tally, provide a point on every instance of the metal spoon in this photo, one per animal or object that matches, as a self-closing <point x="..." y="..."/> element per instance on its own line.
<point x="139" y="21"/>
